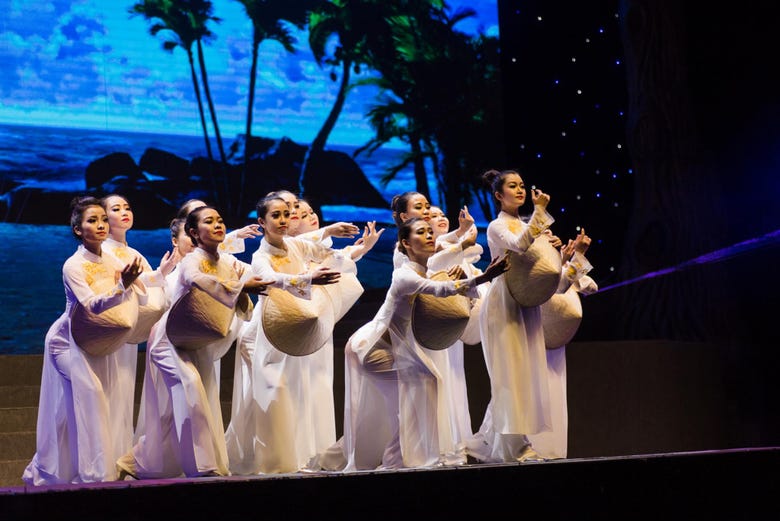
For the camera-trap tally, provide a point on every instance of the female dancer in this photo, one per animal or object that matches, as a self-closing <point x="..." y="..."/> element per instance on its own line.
<point x="120" y="220"/>
<point x="234" y="241"/>
<point x="183" y="433"/>
<point x="394" y="404"/>
<point x="512" y="336"/>
<point x="276" y="423"/>
<point x="85" y="412"/>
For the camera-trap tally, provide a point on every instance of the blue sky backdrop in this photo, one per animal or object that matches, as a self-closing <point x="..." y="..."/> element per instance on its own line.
<point x="89" y="64"/>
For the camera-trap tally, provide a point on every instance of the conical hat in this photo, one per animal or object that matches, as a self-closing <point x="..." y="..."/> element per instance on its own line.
<point x="379" y="359"/>
<point x="197" y="319"/>
<point x="533" y="275"/>
<point x="438" y="322"/>
<point x="471" y="334"/>
<point x="101" y="334"/>
<point x="297" y="326"/>
<point x="561" y="317"/>
<point x="148" y="315"/>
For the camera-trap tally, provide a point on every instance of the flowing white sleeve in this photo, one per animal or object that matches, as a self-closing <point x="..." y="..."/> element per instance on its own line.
<point x="298" y="284"/>
<point x="517" y="236"/>
<point x="408" y="282"/>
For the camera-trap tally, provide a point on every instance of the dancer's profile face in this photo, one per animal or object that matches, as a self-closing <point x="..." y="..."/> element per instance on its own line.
<point x="276" y="222"/>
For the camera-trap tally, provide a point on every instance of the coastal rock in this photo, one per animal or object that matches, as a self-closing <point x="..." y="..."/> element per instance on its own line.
<point x="165" y="164"/>
<point x="162" y="181"/>
<point x="104" y="168"/>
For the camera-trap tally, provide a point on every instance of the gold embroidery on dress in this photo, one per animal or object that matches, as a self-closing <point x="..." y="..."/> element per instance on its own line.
<point x="92" y="270"/>
<point x="122" y="253"/>
<point x="277" y="261"/>
<point x="514" y="227"/>
<point x="208" y="266"/>
<point x="461" y="288"/>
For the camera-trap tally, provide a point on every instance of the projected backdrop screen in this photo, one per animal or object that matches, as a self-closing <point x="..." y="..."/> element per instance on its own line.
<point x="86" y="78"/>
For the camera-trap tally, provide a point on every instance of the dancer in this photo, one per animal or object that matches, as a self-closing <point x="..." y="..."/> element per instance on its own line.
<point x="512" y="337"/>
<point x="85" y="410"/>
<point x="395" y="400"/>
<point x="277" y="424"/>
<point x="120" y="220"/>
<point x="183" y="432"/>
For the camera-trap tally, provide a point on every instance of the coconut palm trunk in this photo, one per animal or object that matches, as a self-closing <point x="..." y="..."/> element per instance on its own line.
<point x="248" y="133"/>
<point x="195" y="86"/>
<point x="215" y="124"/>
<point x="318" y="144"/>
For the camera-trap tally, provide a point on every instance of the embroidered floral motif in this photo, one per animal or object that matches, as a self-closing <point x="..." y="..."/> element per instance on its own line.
<point x="515" y="227"/>
<point x="208" y="266"/>
<point x="460" y="287"/>
<point x="93" y="270"/>
<point x="299" y="285"/>
<point x="277" y="261"/>
<point x="122" y="253"/>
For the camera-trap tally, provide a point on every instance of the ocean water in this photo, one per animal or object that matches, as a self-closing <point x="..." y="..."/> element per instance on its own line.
<point x="31" y="293"/>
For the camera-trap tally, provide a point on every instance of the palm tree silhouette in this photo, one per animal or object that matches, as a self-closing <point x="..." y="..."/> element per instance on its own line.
<point x="348" y="21"/>
<point x="269" y="22"/>
<point x="437" y="85"/>
<point x="186" y="20"/>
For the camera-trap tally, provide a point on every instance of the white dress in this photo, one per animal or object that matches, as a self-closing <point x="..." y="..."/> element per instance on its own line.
<point x="181" y="432"/>
<point x="553" y="444"/>
<point x="398" y="417"/>
<point x="283" y="413"/>
<point x="85" y="410"/>
<point x="514" y="350"/>
<point x="449" y="362"/>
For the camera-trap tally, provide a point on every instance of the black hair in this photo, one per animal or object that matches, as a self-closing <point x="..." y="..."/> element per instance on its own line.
<point x="262" y="205"/>
<point x="78" y="205"/>
<point x="105" y="198"/>
<point x="400" y="203"/>
<point x="192" y="221"/>
<point x="176" y="226"/>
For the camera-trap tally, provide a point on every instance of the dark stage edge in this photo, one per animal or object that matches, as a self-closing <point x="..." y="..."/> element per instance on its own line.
<point x="720" y="484"/>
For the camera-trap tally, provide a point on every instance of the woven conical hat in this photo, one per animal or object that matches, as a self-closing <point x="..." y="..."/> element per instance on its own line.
<point x="100" y="334"/>
<point x="197" y="319"/>
<point x="533" y="275"/>
<point x="297" y="326"/>
<point x="149" y="314"/>
<point x="561" y="317"/>
<point x="438" y="322"/>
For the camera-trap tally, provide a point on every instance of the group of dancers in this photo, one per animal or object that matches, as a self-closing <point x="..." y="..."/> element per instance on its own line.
<point x="405" y="401"/>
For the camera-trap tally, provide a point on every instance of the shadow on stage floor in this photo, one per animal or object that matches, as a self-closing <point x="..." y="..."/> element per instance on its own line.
<point x="723" y="484"/>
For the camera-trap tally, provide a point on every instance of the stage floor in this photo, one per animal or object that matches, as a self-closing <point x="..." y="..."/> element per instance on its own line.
<point x="718" y="484"/>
